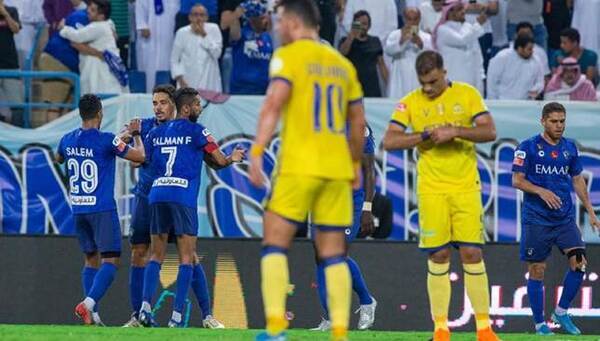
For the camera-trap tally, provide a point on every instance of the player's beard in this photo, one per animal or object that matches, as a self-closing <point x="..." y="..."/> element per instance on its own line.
<point x="194" y="117"/>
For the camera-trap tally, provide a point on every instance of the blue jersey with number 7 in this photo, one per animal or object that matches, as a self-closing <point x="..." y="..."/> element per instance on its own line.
<point x="90" y="158"/>
<point x="175" y="151"/>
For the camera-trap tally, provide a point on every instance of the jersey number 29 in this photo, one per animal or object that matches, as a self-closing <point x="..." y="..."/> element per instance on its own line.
<point x="87" y="171"/>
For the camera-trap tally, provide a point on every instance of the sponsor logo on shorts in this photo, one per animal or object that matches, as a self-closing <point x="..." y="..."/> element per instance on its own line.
<point x="348" y="232"/>
<point x="529" y="252"/>
<point x="170" y="181"/>
<point x="83" y="200"/>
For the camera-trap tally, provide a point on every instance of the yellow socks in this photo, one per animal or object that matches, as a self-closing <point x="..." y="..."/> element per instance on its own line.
<point x="438" y="287"/>
<point x="339" y="286"/>
<point x="275" y="281"/>
<point x="476" y="283"/>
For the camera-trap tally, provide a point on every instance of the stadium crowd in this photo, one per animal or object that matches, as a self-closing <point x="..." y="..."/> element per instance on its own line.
<point x="508" y="49"/>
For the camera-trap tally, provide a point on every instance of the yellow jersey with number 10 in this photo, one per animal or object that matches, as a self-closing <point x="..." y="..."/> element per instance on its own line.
<point x="450" y="167"/>
<point x="314" y="119"/>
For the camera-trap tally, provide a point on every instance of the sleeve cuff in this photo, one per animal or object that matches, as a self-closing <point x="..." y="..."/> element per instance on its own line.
<point x="280" y="78"/>
<point x="355" y="101"/>
<point x="398" y="123"/>
<point x="480" y="114"/>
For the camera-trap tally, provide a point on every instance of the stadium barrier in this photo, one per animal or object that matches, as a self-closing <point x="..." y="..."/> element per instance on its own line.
<point x="35" y="200"/>
<point x="40" y="284"/>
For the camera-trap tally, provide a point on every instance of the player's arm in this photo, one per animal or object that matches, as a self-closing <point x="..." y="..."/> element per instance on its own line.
<point x="367" y="227"/>
<point x="136" y="153"/>
<point x="520" y="182"/>
<point x="278" y="93"/>
<point x="59" y="158"/>
<point x="218" y="160"/>
<point x="581" y="190"/>
<point x="396" y="137"/>
<point x="483" y="130"/>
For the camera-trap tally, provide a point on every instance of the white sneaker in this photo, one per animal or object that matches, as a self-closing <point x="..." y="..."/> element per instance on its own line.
<point x="97" y="320"/>
<point x="133" y="322"/>
<point x="367" y="315"/>
<point x="212" y="323"/>
<point x="324" y="326"/>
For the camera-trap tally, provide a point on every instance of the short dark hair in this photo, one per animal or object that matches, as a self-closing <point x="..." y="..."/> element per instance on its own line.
<point x="165" y="89"/>
<point x="522" y="41"/>
<point x="89" y="106"/>
<point x="103" y="7"/>
<point x="428" y="61"/>
<point x="184" y="96"/>
<point x="524" y="24"/>
<point x="571" y="34"/>
<point x="362" y="13"/>
<point x="306" y="10"/>
<point x="552" y="107"/>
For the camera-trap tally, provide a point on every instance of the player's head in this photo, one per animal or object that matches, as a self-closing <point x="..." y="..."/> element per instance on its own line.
<point x="163" y="102"/>
<point x="553" y="120"/>
<point x="90" y="108"/>
<point x="524" y="46"/>
<point x="296" y="18"/>
<point x="569" y="40"/>
<point x="431" y="73"/>
<point x="187" y="101"/>
<point x="98" y="10"/>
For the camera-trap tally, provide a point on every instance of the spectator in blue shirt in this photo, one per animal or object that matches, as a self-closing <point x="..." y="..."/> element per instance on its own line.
<point x="252" y="47"/>
<point x="570" y="47"/>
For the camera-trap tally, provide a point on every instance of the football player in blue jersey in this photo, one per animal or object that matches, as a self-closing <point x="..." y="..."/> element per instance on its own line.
<point x="163" y="104"/>
<point x="90" y="157"/>
<point x="546" y="168"/>
<point x="362" y="222"/>
<point x="176" y="151"/>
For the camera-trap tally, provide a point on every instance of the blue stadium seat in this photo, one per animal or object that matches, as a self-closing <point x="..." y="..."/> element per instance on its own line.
<point x="163" y="77"/>
<point x="137" y="81"/>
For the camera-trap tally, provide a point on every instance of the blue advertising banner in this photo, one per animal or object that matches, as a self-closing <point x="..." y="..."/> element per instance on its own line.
<point x="34" y="198"/>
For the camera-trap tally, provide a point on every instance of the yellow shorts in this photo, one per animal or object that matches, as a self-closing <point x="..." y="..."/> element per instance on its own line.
<point x="455" y="218"/>
<point x="329" y="202"/>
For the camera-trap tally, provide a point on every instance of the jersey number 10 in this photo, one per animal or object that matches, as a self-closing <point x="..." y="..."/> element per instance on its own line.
<point x="329" y="92"/>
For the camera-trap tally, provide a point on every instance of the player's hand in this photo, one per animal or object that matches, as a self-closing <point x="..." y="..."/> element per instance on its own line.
<point x="416" y="39"/>
<point x="551" y="199"/>
<point x="145" y="32"/>
<point x="367" y="224"/>
<point x="134" y="125"/>
<point x="255" y="171"/>
<point x="124" y="134"/>
<point x="595" y="222"/>
<point x="443" y="134"/>
<point x="238" y="155"/>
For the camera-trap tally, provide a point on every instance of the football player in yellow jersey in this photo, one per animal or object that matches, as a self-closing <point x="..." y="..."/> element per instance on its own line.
<point x="446" y="120"/>
<point x="314" y="90"/>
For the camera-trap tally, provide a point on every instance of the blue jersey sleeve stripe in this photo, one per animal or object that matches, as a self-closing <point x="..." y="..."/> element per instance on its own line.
<point x="398" y="123"/>
<point x="480" y="114"/>
<point x="279" y="78"/>
<point x="355" y="101"/>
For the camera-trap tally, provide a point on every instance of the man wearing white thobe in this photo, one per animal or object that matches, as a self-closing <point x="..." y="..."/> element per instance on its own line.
<point x="458" y="42"/>
<point x="99" y="34"/>
<point x="155" y="24"/>
<point x="514" y="73"/>
<point x="196" y="51"/>
<point x="539" y="53"/>
<point x="403" y="46"/>
<point x="586" y="20"/>
<point x="431" y="11"/>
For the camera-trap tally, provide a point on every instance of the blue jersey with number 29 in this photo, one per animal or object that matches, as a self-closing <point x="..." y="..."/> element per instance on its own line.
<point x="175" y="151"/>
<point x="90" y="158"/>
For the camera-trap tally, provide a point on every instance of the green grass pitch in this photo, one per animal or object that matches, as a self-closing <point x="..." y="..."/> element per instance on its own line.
<point x="79" y="333"/>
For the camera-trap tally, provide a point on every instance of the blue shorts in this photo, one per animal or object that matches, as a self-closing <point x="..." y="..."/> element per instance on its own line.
<point x="98" y="231"/>
<point x="168" y="217"/>
<point x="537" y="240"/>
<point x="140" y="221"/>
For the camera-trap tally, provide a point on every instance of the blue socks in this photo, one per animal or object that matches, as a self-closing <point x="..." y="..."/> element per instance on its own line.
<point x="571" y="285"/>
<point x="184" y="279"/>
<point x="151" y="274"/>
<point x="358" y="283"/>
<point x="102" y="281"/>
<point x="200" y="288"/>
<point x="87" y="280"/>
<point x="322" y="289"/>
<point x="535" y="292"/>
<point x="136" y="287"/>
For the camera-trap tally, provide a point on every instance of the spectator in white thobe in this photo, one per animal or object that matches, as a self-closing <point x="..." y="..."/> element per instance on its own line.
<point x="404" y="46"/>
<point x="586" y="19"/>
<point x="540" y="55"/>
<point x="458" y="42"/>
<point x="514" y="73"/>
<point x="431" y="12"/>
<point x="99" y="34"/>
<point x="499" y="22"/>
<point x="196" y="51"/>
<point x="384" y="16"/>
<point x="155" y="24"/>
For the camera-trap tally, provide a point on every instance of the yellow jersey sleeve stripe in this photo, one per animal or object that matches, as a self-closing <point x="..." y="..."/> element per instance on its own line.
<point x="279" y="78"/>
<point x="480" y="114"/>
<point x="355" y="101"/>
<point x="399" y="123"/>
